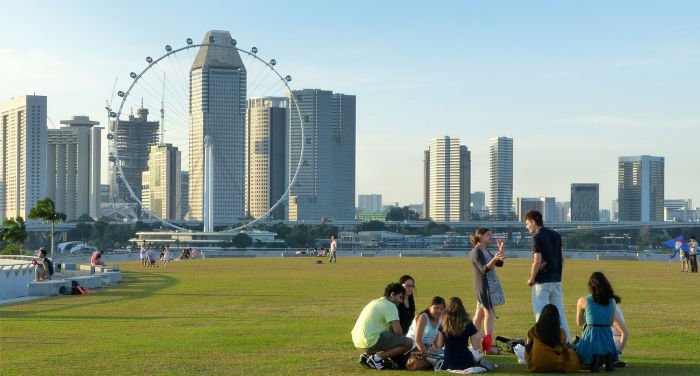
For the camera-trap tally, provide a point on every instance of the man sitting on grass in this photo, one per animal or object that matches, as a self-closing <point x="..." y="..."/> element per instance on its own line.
<point x="378" y="332"/>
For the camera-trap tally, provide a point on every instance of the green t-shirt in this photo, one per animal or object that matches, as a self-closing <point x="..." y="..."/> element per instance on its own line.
<point x="374" y="319"/>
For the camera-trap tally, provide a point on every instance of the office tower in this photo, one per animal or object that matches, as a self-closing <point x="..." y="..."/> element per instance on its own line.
<point x="449" y="185"/>
<point x="678" y="210"/>
<point x="104" y="194"/>
<point x="615" y="211"/>
<point x="425" y="214"/>
<point x="584" y="202"/>
<point x="73" y="167"/>
<point x="640" y="188"/>
<point x="266" y="155"/>
<point x="325" y="186"/>
<point x="217" y="109"/>
<point x="371" y="203"/>
<point x="604" y="215"/>
<point x="478" y="199"/>
<point x="185" y="194"/>
<point x="134" y="139"/>
<point x="563" y="210"/>
<point x="23" y="138"/>
<point x="501" y="178"/>
<point x="163" y="182"/>
<point x="545" y="205"/>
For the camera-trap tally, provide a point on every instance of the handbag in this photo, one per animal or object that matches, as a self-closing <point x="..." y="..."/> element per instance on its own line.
<point x="417" y="362"/>
<point x="495" y="289"/>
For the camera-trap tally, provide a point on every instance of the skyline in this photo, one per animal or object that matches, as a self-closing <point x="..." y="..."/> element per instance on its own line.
<point x="575" y="84"/>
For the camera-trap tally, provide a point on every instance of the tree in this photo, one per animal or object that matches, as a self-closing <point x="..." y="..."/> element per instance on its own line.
<point x="14" y="231"/>
<point x="45" y="210"/>
<point x="242" y="240"/>
<point x="370" y="226"/>
<point x="395" y="214"/>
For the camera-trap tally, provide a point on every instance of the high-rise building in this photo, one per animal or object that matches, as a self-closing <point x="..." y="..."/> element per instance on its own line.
<point x="563" y="210"/>
<point x="217" y="109"/>
<point x="501" y="178"/>
<point x="614" y="211"/>
<point x="585" y="202"/>
<point x="185" y="194"/>
<point x="134" y="140"/>
<point x="266" y="155"/>
<point x="678" y="210"/>
<point x="23" y="138"/>
<point x="325" y="185"/>
<point x="449" y="180"/>
<point x="640" y="188"/>
<point x="545" y="205"/>
<point x="371" y="203"/>
<point x="73" y="167"/>
<point x="163" y="181"/>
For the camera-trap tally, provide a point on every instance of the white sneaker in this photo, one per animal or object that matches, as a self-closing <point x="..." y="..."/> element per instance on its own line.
<point x="375" y="364"/>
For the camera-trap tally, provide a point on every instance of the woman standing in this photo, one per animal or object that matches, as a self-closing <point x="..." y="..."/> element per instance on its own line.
<point x="407" y="307"/>
<point x="596" y="313"/>
<point x="487" y="285"/>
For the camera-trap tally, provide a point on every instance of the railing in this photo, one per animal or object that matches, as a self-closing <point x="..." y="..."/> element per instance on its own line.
<point x="23" y="262"/>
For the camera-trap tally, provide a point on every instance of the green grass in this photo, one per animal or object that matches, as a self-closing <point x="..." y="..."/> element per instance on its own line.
<point x="289" y="316"/>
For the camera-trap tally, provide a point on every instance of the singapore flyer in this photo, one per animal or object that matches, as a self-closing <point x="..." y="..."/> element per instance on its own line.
<point x="199" y="133"/>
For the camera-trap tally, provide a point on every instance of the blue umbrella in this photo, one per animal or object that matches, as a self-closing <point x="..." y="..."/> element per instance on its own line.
<point x="677" y="244"/>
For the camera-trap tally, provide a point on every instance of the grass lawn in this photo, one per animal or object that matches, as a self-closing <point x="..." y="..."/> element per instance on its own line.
<point x="289" y="316"/>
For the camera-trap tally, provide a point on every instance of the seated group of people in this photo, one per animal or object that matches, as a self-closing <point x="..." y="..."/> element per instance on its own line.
<point x="387" y="332"/>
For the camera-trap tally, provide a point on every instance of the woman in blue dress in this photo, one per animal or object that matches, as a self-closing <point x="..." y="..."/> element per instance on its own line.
<point x="596" y="313"/>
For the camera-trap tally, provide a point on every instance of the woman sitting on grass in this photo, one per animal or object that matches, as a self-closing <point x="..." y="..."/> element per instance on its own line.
<point x="424" y="328"/>
<point x="596" y="313"/>
<point x="545" y="345"/>
<point x="455" y="332"/>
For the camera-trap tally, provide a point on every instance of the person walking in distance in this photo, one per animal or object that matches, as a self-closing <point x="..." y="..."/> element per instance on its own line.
<point x="331" y="250"/>
<point x="547" y="267"/>
<point x="693" y="245"/>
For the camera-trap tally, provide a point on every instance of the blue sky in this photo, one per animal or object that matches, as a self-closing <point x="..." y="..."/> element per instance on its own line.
<point x="575" y="83"/>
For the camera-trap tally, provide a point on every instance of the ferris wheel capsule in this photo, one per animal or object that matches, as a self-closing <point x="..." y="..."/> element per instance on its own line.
<point x="121" y="93"/>
<point x="113" y="114"/>
<point x="273" y="62"/>
<point x="112" y="158"/>
<point x="132" y="75"/>
<point x="211" y="39"/>
<point x="288" y="78"/>
<point x="254" y="50"/>
<point x="168" y="48"/>
<point x="110" y="136"/>
<point x="149" y="59"/>
<point x="189" y="41"/>
<point x="233" y="42"/>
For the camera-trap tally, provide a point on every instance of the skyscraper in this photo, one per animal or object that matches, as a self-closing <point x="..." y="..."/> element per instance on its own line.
<point x="448" y="181"/>
<point x="640" y="188"/>
<point x="266" y="155"/>
<point x="164" y="182"/>
<point x="134" y="139"/>
<point x="325" y="186"/>
<point x="585" y="202"/>
<point x="217" y="109"/>
<point x="545" y="205"/>
<point x="23" y="137"/>
<point x="73" y="167"/>
<point x="501" y="178"/>
<point x="371" y="203"/>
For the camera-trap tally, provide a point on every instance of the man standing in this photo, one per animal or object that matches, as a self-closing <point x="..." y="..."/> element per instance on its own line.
<point x="693" y="245"/>
<point x="331" y="250"/>
<point x="378" y="332"/>
<point x="547" y="266"/>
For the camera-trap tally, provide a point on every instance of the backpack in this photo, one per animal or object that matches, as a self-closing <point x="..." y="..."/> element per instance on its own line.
<point x="49" y="264"/>
<point x="510" y="343"/>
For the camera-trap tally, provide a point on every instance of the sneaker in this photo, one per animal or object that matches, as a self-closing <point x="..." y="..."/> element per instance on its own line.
<point x="378" y="365"/>
<point x="363" y="360"/>
<point x="620" y="364"/>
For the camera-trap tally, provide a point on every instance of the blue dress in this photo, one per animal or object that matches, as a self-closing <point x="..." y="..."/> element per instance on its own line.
<point x="597" y="337"/>
<point x="457" y="353"/>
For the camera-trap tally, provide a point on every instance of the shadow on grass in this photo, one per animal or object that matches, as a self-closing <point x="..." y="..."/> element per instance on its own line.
<point x="133" y="286"/>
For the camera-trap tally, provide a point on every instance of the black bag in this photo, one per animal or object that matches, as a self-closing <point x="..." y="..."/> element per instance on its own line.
<point x="510" y="343"/>
<point x="49" y="264"/>
<point x="74" y="288"/>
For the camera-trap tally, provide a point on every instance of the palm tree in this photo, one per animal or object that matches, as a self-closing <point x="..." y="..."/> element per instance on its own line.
<point x="14" y="231"/>
<point x="45" y="210"/>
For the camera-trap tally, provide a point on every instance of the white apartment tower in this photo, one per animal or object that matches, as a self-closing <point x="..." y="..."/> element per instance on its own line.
<point x="74" y="167"/>
<point x="163" y="182"/>
<point x="217" y="109"/>
<point x="266" y="155"/>
<point x="23" y="137"/>
<point x="448" y="180"/>
<point x="501" y="178"/>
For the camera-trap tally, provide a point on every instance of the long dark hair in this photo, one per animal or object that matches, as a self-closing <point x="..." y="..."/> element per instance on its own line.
<point x="600" y="288"/>
<point x="437" y="300"/>
<point x="411" y="300"/>
<point x="455" y="317"/>
<point x="548" y="326"/>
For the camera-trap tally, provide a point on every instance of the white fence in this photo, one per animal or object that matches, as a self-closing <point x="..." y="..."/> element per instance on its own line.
<point x="15" y="274"/>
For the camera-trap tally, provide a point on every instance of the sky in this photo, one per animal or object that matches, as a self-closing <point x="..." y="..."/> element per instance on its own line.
<point x="576" y="84"/>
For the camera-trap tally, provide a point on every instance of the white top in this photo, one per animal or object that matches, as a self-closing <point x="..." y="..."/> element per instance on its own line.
<point x="616" y="333"/>
<point x="429" y="333"/>
<point x="142" y="253"/>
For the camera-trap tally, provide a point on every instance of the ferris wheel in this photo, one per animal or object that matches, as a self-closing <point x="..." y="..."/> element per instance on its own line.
<point x="197" y="92"/>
